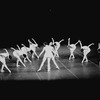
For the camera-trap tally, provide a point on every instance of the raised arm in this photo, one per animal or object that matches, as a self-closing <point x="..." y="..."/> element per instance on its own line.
<point x="34" y="41"/>
<point x="90" y="44"/>
<point x="30" y="41"/>
<point x="23" y="45"/>
<point x="77" y="42"/>
<point x="80" y="43"/>
<point x="18" y="46"/>
<point x="13" y="48"/>
<point x="68" y="41"/>
<point x="61" y="40"/>
<point x="53" y="41"/>
<point x="6" y="51"/>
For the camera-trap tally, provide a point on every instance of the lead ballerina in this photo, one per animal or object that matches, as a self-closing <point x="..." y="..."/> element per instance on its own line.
<point x="49" y="54"/>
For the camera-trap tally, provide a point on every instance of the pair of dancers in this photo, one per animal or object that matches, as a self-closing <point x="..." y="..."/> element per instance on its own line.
<point x="86" y="50"/>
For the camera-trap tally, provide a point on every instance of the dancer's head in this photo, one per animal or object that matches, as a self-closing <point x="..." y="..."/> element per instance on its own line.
<point x="45" y="43"/>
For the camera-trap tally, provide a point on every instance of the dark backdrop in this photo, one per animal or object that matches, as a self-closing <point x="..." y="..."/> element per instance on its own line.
<point x="41" y="22"/>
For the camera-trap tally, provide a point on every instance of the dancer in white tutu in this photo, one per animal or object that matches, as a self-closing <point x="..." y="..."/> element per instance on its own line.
<point x="18" y="54"/>
<point x="72" y="48"/>
<point x="56" y="46"/>
<point x="25" y="51"/>
<point x="32" y="47"/>
<point x="86" y="51"/>
<point x="49" y="54"/>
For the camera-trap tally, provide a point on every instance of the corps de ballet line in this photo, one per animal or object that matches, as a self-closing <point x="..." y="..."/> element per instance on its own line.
<point x="50" y="53"/>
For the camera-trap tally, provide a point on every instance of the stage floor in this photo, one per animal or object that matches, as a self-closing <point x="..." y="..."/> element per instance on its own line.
<point x="73" y="69"/>
<point x="68" y="70"/>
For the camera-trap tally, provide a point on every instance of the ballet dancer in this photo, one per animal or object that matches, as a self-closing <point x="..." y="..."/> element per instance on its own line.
<point x="33" y="47"/>
<point x="86" y="51"/>
<point x="3" y="60"/>
<point x="72" y="48"/>
<point x="49" y="50"/>
<point x="56" y="46"/>
<point x="17" y="54"/>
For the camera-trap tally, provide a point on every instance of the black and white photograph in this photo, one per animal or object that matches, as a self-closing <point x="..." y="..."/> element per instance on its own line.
<point x="49" y="42"/>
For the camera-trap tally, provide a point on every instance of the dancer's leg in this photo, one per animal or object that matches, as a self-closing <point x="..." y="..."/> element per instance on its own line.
<point x="25" y="60"/>
<point x="71" y="55"/>
<point x="44" y="59"/>
<point x="55" y="62"/>
<point x="28" y="59"/>
<point x="22" y="62"/>
<point x="48" y="59"/>
<point x="2" y="68"/>
<point x="86" y="59"/>
<point x="7" y="67"/>
<point x="17" y="63"/>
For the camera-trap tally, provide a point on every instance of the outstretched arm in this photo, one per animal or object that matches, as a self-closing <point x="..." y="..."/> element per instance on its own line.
<point x="41" y="53"/>
<point x="77" y="42"/>
<point x="61" y="40"/>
